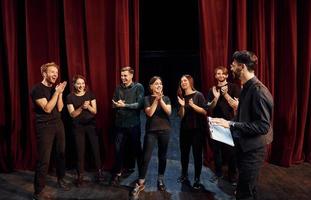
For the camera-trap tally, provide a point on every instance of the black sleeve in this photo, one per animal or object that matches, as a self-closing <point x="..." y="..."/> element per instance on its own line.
<point x="37" y="93"/>
<point x="262" y="104"/>
<point x="91" y="95"/>
<point x="201" y="101"/>
<point x="210" y="96"/>
<point x="115" y="97"/>
<point x="167" y="100"/>
<point x="69" y="99"/>
<point x="147" y="101"/>
<point x="236" y="90"/>
<point x="139" y="99"/>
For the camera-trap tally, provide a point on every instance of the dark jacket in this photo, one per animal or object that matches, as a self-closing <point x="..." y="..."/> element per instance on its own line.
<point x="253" y="119"/>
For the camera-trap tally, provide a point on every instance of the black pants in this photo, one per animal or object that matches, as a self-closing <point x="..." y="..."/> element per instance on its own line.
<point x="135" y="152"/>
<point x="80" y="132"/>
<point x="162" y="137"/>
<point x="46" y="134"/>
<point x="249" y="164"/>
<point x="219" y="149"/>
<point x="191" y="138"/>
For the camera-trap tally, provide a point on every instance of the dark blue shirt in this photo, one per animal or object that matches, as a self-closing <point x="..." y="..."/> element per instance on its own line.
<point x="133" y="95"/>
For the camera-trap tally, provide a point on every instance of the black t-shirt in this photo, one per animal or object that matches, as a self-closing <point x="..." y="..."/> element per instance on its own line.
<point x="222" y="108"/>
<point x="40" y="91"/>
<point x="85" y="117"/>
<point x="159" y="120"/>
<point x="192" y="119"/>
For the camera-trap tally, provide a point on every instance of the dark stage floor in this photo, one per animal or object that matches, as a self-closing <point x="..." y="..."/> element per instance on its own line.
<point x="276" y="183"/>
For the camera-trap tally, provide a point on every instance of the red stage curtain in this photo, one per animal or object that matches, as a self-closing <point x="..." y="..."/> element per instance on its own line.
<point x="93" y="38"/>
<point x="279" y="33"/>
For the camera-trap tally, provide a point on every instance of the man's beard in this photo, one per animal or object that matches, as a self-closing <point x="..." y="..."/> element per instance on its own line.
<point x="236" y="74"/>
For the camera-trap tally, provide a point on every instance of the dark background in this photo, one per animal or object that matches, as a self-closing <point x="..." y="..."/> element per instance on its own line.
<point x="169" y="46"/>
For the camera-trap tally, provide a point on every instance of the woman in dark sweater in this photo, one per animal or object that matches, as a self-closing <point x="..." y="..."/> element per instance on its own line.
<point x="158" y="110"/>
<point x="192" y="111"/>
<point x="81" y="105"/>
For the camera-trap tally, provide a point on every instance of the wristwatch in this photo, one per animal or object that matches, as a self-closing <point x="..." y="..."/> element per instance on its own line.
<point x="231" y="124"/>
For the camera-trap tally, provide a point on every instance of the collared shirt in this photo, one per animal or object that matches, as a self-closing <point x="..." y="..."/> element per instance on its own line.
<point x="133" y="95"/>
<point x="254" y="115"/>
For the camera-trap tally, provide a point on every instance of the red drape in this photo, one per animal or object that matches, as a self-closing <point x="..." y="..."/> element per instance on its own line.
<point x="279" y="33"/>
<point x="93" y="38"/>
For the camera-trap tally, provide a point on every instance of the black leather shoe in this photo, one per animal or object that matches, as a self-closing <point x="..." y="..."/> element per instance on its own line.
<point x="183" y="180"/>
<point x="161" y="185"/>
<point x="100" y="177"/>
<point x="63" y="184"/>
<point x="115" y="180"/>
<point x="197" y="185"/>
<point x="41" y="196"/>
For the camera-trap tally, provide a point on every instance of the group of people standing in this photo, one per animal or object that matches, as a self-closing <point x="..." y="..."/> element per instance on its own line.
<point x="248" y="115"/>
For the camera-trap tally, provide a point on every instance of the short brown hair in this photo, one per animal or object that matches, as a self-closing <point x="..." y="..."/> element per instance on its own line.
<point x="222" y="68"/>
<point x="127" y="68"/>
<point x="45" y="66"/>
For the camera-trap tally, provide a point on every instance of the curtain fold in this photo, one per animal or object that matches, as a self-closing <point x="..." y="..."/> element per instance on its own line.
<point x="93" y="38"/>
<point x="304" y="83"/>
<point x="279" y="33"/>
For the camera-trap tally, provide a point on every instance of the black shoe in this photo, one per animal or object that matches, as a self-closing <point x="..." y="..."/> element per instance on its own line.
<point x="137" y="189"/>
<point x="80" y="181"/>
<point x="183" y="179"/>
<point x="197" y="185"/>
<point x="234" y="183"/>
<point x="100" y="177"/>
<point x="161" y="185"/>
<point x="41" y="196"/>
<point x="63" y="184"/>
<point x="233" y="179"/>
<point x="215" y="179"/>
<point x="127" y="172"/>
<point x="115" y="180"/>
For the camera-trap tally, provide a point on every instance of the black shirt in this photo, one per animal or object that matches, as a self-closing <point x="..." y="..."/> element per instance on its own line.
<point x="133" y="95"/>
<point x="159" y="120"/>
<point x="192" y="119"/>
<point x="222" y="108"/>
<point x="40" y="91"/>
<point x="85" y="117"/>
<point x="254" y="115"/>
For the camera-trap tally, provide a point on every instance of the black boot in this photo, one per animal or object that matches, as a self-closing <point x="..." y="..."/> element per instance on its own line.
<point x="99" y="177"/>
<point x="79" y="182"/>
<point x="63" y="184"/>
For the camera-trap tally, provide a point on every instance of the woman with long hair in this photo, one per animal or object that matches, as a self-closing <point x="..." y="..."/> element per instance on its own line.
<point x="81" y="105"/>
<point x="192" y="111"/>
<point x="158" y="110"/>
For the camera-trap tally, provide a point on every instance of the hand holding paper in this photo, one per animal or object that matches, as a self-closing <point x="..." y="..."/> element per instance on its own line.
<point x="219" y="133"/>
